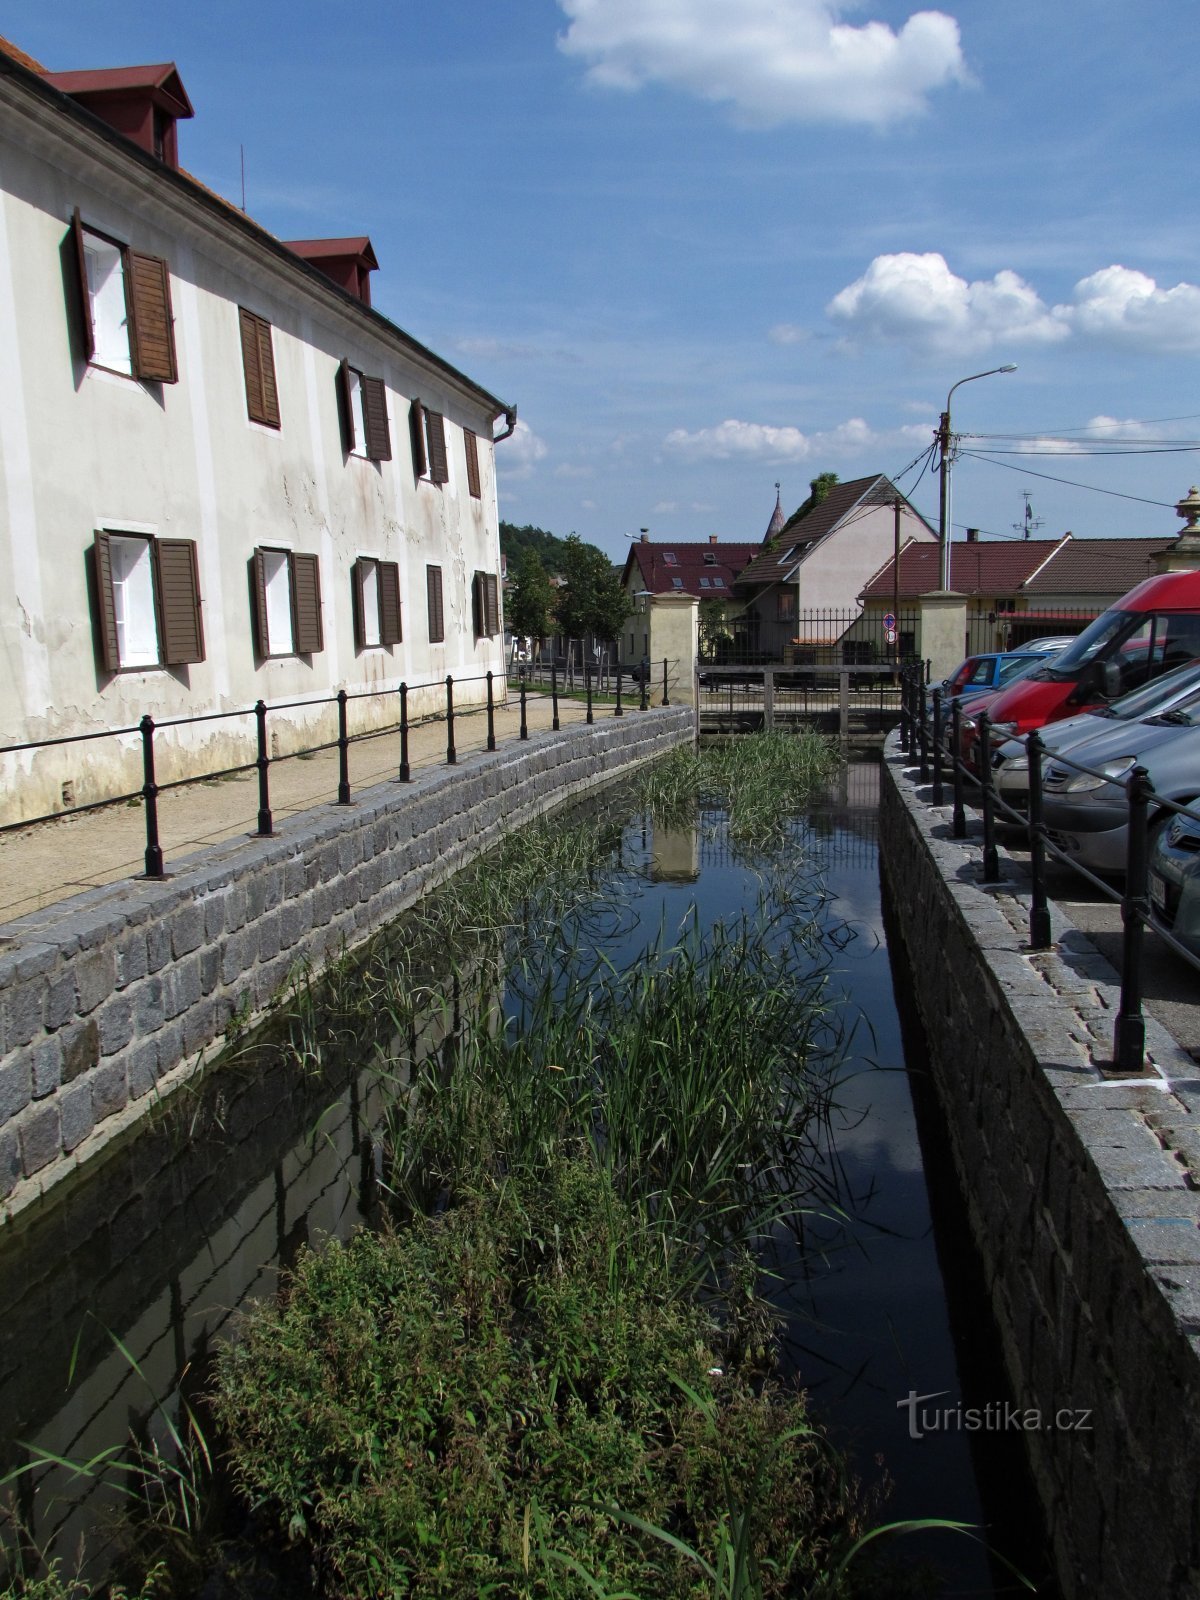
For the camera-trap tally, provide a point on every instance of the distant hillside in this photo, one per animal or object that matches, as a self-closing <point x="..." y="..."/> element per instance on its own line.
<point x="548" y="547"/>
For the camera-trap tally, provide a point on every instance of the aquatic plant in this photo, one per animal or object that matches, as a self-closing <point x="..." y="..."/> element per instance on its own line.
<point x="762" y="781"/>
<point x="502" y="1400"/>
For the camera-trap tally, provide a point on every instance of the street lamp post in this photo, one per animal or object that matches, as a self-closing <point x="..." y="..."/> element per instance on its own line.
<point x="947" y="450"/>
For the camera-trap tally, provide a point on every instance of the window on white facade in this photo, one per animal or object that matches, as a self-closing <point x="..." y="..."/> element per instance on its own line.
<point x="362" y="402"/>
<point x="124" y="306"/>
<point x="148" y="601"/>
<point x="106" y="301"/>
<point x="278" y="586"/>
<point x="359" y="447"/>
<point x="133" y="601"/>
<point x="370" y="603"/>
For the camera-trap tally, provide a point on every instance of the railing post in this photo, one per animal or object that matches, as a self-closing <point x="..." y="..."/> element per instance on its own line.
<point x="154" y="855"/>
<point x="768" y="699"/>
<point x="524" y="718"/>
<point x="491" y="715"/>
<point x="906" y="709"/>
<point x="451" y="755"/>
<point x="343" y="798"/>
<point x="620" y="710"/>
<point x="938" y="796"/>
<point x="923" y="734"/>
<point x="587" y="685"/>
<point x="645" y="676"/>
<point x="405" y="773"/>
<point x="554" y="723"/>
<point x="991" y="860"/>
<point x="1129" y="1034"/>
<point x="266" y="826"/>
<point x="959" y="825"/>
<point x="666" y="700"/>
<point x="1039" y="910"/>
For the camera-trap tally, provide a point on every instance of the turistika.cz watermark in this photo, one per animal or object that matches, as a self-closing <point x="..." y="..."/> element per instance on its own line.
<point x="995" y="1417"/>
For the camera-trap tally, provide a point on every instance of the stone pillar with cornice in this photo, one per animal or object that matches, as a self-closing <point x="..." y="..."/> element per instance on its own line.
<point x="943" y="631"/>
<point x="1184" y="554"/>
<point x="675" y="639"/>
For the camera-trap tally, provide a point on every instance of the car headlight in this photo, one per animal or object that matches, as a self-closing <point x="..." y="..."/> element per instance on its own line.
<point x="1004" y="730"/>
<point x="1084" y="782"/>
<point x="1016" y="763"/>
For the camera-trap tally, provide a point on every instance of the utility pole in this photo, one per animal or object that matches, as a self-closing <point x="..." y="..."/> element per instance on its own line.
<point x="945" y="439"/>
<point x="896" y="580"/>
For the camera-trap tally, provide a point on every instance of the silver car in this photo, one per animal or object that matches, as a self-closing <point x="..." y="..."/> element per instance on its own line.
<point x="1175" y="881"/>
<point x="1087" y="811"/>
<point x="1010" y="766"/>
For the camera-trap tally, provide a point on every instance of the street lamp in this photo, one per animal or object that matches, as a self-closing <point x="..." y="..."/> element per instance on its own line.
<point x="944" y="441"/>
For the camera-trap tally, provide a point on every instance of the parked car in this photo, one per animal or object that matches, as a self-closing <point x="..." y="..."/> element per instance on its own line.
<point x="984" y="673"/>
<point x="1151" y="630"/>
<point x="1010" y="765"/>
<point x="1087" y="812"/>
<point x="1175" y="881"/>
<point x="968" y="722"/>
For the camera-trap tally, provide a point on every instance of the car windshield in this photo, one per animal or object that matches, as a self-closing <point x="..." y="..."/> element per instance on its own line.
<point x="1185" y="712"/>
<point x="1017" y="667"/>
<point x="1158" y="695"/>
<point x="1091" y="643"/>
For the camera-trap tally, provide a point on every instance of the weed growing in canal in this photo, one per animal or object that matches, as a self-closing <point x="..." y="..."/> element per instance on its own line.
<point x="762" y="781"/>
<point x="508" y="1400"/>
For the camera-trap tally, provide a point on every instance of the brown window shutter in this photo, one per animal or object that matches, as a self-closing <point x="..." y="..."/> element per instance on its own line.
<point x="258" y="361"/>
<point x="435" y="428"/>
<point x="433" y="589"/>
<point x="389" y="603"/>
<point x="416" y="427"/>
<point x="492" y="603"/>
<point x="81" y="278"/>
<point x="306" y="604"/>
<point x="357" y="575"/>
<point x="379" y="438"/>
<point x="106" y="610"/>
<point x="472" y="447"/>
<point x="151" y="327"/>
<point x="478" y="606"/>
<point x="258" y="607"/>
<point x="181" y="627"/>
<point x="345" y="406"/>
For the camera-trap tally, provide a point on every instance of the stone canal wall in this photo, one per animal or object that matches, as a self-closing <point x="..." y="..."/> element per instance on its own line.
<point x="1081" y="1192"/>
<point x="106" y="999"/>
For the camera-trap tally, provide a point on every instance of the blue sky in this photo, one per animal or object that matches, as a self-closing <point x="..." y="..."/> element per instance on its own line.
<point x="705" y="245"/>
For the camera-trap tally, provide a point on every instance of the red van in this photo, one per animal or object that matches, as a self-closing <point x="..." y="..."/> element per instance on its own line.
<point x="1153" y="629"/>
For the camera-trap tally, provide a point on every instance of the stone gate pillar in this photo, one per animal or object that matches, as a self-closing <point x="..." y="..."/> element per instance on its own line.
<point x="943" y="636"/>
<point x="675" y="639"/>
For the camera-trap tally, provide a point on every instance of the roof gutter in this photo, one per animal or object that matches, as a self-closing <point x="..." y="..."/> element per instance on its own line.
<point x="510" y="416"/>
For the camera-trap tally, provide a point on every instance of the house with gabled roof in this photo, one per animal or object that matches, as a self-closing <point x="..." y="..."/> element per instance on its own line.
<point x="801" y="590"/>
<point x="230" y="478"/>
<point x="1018" y="589"/>
<point x="706" y="569"/>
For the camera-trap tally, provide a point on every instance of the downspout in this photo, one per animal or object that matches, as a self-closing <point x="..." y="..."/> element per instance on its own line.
<point x="510" y="417"/>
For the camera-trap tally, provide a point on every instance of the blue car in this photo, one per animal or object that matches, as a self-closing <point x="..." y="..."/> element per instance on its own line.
<point x="986" y="673"/>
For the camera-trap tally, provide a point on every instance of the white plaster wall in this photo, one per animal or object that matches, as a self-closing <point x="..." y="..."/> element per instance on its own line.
<point x="834" y="575"/>
<point x="80" y="447"/>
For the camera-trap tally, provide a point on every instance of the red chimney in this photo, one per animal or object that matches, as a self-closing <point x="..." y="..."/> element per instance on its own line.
<point x="712" y="538"/>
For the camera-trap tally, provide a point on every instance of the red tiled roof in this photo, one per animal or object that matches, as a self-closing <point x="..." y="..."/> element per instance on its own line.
<point x="161" y="76"/>
<point x="998" y="567"/>
<point x="19" y="56"/>
<point x="1098" y="566"/>
<point x="692" y="562"/>
<point x="318" y="249"/>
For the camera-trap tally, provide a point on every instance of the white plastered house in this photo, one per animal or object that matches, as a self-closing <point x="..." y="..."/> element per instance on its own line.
<point x="224" y="477"/>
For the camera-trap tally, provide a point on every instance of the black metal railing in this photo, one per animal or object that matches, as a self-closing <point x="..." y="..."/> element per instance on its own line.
<point x="1144" y="807"/>
<point x="148" y="730"/>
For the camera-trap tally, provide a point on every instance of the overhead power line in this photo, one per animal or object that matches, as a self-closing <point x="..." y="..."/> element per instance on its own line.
<point x="1070" y="482"/>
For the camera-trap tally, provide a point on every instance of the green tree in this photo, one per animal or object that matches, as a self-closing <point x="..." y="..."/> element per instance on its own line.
<point x="592" y="605"/>
<point x="531" y="599"/>
<point x="715" y="624"/>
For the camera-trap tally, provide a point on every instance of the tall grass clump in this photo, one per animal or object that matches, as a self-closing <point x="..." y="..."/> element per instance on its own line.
<point x="512" y="1400"/>
<point x="761" y="780"/>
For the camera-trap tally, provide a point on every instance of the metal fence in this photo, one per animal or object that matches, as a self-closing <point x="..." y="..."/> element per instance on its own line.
<point x="841" y="699"/>
<point x="847" y="637"/>
<point x="937" y="743"/>
<point x="989" y="629"/>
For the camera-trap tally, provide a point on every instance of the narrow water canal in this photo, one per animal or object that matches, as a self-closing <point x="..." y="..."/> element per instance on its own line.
<point x="125" y="1279"/>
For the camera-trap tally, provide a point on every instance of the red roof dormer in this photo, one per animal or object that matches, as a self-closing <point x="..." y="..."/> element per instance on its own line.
<point x="143" y="103"/>
<point x="349" y="262"/>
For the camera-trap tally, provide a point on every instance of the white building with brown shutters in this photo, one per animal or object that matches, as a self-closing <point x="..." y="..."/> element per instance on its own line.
<point x="224" y="476"/>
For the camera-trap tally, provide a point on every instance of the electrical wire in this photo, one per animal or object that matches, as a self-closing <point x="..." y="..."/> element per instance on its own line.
<point x="1070" y="482"/>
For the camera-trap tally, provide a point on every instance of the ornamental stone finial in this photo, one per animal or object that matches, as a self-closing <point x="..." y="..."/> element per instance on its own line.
<point x="1189" y="509"/>
<point x="1183" y="554"/>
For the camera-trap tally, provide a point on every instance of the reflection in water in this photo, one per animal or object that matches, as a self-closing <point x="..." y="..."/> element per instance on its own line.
<point x="194" y="1215"/>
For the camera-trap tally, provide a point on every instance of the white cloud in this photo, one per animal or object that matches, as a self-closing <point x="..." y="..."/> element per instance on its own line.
<point x="917" y="300"/>
<point x="788" y="333"/>
<point x="772" y="61"/>
<point x="758" y="441"/>
<point x="1119" y="306"/>
<point x="665" y="508"/>
<point x="517" y="457"/>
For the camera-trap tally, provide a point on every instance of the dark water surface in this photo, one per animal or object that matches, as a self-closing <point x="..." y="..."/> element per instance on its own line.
<point x="177" y="1226"/>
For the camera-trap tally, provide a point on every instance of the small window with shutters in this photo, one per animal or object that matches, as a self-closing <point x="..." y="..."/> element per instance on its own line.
<point x="147" y="600"/>
<point x="485" y="594"/>
<point x="471" y="444"/>
<point x="258" y="365"/>
<point x="285" y="595"/>
<point x="124" y="306"/>
<point x="362" y="408"/>
<point x="428" y="430"/>
<point x="433" y="595"/>
<point x="375" y="590"/>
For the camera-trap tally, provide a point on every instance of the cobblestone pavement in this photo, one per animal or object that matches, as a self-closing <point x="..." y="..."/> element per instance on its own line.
<point x="51" y="861"/>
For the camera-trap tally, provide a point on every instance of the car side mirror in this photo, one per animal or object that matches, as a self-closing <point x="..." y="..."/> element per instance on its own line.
<point x="1110" y="679"/>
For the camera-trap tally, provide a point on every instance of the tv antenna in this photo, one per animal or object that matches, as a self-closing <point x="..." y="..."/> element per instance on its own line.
<point x="1030" y="524"/>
